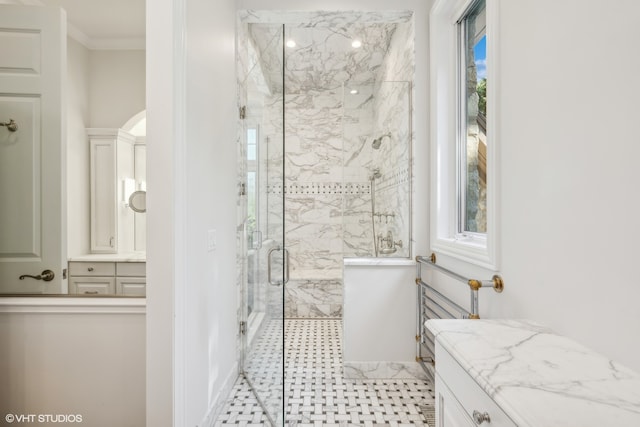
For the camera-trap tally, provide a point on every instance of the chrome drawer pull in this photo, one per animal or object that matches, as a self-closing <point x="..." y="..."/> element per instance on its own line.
<point x="479" y="418"/>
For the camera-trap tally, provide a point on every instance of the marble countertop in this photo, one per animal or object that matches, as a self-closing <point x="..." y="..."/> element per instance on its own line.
<point x="123" y="257"/>
<point x="540" y="378"/>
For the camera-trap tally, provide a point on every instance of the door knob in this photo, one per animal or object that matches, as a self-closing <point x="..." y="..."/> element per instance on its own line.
<point x="46" y="275"/>
<point x="11" y="125"/>
<point x="480" y="418"/>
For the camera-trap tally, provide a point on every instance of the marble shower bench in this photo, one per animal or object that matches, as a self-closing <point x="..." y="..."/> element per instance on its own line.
<point x="519" y="373"/>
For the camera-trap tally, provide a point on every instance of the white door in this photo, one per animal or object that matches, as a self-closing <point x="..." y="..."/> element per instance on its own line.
<point x="33" y="56"/>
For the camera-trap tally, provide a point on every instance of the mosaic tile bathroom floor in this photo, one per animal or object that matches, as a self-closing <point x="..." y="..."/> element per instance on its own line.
<point x="318" y="395"/>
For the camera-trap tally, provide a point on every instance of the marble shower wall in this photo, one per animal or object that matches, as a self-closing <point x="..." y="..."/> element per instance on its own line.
<point x="358" y="131"/>
<point x="329" y="159"/>
<point x="392" y="214"/>
<point x="385" y="109"/>
<point x="314" y="186"/>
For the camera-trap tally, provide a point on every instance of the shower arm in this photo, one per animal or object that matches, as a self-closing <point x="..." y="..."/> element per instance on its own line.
<point x="378" y="141"/>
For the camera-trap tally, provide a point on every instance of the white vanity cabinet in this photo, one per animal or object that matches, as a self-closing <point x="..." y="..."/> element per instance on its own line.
<point x="506" y="373"/>
<point x="469" y="405"/>
<point x="131" y="280"/>
<point x="107" y="278"/>
<point x="112" y="176"/>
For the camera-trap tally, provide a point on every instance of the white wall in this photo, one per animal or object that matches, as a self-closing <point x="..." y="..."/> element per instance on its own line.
<point x="569" y="148"/>
<point x="67" y="356"/>
<point x="191" y="135"/>
<point x="117" y="86"/>
<point x="77" y="148"/>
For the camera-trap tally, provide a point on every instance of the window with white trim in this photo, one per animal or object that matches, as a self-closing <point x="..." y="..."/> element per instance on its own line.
<point x="464" y="140"/>
<point x="472" y="128"/>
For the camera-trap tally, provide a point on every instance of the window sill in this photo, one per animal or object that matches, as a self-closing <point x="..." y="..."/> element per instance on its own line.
<point x="474" y="250"/>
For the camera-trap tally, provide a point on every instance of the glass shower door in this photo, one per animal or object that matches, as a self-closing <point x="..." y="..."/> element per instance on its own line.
<point x="263" y="152"/>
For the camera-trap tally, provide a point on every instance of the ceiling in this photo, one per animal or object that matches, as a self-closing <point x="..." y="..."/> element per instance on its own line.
<point x="102" y="24"/>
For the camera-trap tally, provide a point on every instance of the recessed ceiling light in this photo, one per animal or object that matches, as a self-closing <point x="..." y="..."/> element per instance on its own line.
<point x="356" y="44"/>
<point x="291" y="43"/>
<point x="353" y="91"/>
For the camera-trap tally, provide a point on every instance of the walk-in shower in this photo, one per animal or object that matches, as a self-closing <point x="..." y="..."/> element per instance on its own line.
<point x="326" y="142"/>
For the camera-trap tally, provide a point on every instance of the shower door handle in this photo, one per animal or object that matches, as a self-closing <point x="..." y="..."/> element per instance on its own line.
<point x="256" y="239"/>
<point x="286" y="266"/>
<point x="269" y="262"/>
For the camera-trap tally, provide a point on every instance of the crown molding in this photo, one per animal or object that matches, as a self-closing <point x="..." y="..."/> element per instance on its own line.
<point x="104" y="43"/>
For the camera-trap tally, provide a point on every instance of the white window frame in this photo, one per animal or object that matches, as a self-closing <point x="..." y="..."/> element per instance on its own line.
<point x="475" y="248"/>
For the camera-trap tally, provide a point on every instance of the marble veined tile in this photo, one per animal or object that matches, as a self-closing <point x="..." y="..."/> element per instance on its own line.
<point x="384" y="370"/>
<point x="313" y="298"/>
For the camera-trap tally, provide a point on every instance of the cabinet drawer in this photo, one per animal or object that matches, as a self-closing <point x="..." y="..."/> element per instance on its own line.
<point x="135" y="269"/>
<point x="467" y="392"/>
<point x="133" y="286"/>
<point x="92" y="269"/>
<point x="92" y="285"/>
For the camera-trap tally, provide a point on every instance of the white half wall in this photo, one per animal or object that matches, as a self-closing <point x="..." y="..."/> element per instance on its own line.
<point x="73" y="356"/>
<point x="380" y="317"/>
<point x="568" y="165"/>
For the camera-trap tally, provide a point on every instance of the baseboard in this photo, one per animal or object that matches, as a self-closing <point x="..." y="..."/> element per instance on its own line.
<point x="221" y="398"/>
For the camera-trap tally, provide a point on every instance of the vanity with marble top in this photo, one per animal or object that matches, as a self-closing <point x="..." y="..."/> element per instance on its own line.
<point x="121" y="275"/>
<point x="519" y="373"/>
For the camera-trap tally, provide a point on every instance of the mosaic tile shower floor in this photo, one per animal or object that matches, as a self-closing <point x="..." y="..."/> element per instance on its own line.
<point x="318" y="395"/>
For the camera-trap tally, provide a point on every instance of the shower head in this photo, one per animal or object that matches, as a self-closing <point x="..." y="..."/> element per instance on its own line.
<point x="375" y="174"/>
<point x="378" y="141"/>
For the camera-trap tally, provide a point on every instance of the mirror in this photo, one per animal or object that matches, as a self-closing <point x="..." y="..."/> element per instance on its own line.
<point x="138" y="201"/>
<point x="104" y="71"/>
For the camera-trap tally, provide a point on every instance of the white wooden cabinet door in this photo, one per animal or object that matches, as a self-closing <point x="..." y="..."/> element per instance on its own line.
<point x="33" y="57"/>
<point x="103" y="195"/>
<point x="131" y="286"/>
<point x="111" y="164"/>
<point x="449" y="412"/>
